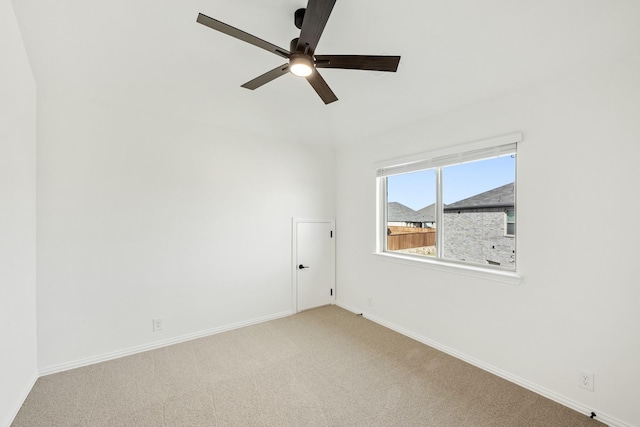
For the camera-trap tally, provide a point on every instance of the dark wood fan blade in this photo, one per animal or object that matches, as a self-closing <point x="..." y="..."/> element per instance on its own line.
<point x="322" y="88"/>
<point x="241" y="35"/>
<point x="358" y="62"/>
<point x="315" y="19"/>
<point x="267" y="77"/>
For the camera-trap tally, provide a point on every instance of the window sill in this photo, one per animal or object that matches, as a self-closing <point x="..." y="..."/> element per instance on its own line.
<point x="502" y="276"/>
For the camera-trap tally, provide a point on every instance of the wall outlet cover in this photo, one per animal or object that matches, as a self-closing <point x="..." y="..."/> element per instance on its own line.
<point x="585" y="380"/>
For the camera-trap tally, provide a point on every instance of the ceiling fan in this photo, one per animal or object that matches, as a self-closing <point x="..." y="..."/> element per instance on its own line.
<point x="303" y="61"/>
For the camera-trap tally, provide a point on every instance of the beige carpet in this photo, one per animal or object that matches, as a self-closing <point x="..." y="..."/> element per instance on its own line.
<point x="322" y="367"/>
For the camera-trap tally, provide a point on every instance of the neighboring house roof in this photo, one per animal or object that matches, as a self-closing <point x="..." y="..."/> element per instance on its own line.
<point x="397" y="212"/>
<point x="428" y="213"/>
<point x="501" y="197"/>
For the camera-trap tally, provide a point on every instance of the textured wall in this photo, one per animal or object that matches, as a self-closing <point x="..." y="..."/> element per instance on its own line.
<point x="143" y="215"/>
<point x="478" y="237"/>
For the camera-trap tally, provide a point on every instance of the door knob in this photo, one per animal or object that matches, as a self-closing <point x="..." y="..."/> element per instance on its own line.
<point x="300" y="267"/>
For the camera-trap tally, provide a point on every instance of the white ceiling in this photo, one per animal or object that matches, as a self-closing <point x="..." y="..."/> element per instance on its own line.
<point x="153" y="55"/>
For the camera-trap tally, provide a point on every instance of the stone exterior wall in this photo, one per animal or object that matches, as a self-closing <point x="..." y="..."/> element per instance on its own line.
<point x="478" y="237"/>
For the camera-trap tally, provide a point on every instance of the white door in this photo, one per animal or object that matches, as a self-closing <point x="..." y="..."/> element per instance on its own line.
<point x="314" y="262"/>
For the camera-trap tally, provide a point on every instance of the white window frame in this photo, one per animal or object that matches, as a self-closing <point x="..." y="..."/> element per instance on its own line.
<point x="471" y="151"/>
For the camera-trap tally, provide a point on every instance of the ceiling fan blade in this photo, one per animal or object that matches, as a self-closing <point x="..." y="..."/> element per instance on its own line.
<point x="358" y="62"/>
<point x="241" y="35"/>
<point x="322" y="88"/>
<point x="267" y="77"/>
<point x="315" y="19"/>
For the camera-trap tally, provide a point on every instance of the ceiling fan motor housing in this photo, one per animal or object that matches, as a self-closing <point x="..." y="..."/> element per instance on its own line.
<point x="293" y="46"/>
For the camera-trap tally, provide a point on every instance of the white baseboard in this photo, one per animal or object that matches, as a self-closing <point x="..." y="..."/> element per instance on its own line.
<point x="23" y="397"/>
<point x="158" y="344"/>
<point x="563" y="400"/>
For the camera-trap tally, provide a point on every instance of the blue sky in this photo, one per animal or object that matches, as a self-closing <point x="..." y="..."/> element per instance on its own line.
<point x="418" y="189"/>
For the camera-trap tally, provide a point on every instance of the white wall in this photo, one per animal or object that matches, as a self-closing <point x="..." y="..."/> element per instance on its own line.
<point x="18" y="368"/>
<point x="143" y="216"/>
<point x="578" y="237"/>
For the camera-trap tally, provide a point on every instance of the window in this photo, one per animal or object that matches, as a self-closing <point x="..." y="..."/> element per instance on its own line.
<point x="458" y="208"/>
<point x="510" y="223"/>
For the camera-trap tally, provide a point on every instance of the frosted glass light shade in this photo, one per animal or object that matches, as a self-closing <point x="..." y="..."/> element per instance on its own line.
<point x="301" y="66"/>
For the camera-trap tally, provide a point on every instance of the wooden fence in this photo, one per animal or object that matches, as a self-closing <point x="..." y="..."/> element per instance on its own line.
<point x="408" y="237"/>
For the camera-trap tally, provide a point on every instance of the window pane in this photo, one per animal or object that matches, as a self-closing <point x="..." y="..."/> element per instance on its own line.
<point x="411" y="213"/>
<point x="511" y="222"/>
<point x="476" y="196"/>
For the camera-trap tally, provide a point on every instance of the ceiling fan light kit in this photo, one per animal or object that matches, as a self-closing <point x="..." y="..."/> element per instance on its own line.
<point x="301" y="65"/>
<point x="302" y="61"/>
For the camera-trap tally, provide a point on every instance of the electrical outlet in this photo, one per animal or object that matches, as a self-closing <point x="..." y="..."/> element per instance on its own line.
<point x="157" y="324"/>
<point x="585" y="380"/>
<point x="370" y="302"/>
